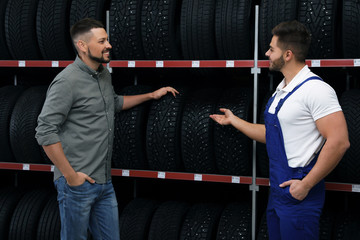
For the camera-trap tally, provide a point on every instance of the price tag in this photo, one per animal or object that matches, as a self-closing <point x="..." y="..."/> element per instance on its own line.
<point x="356" y="188"/>
<point x="125" y="173"/>
<point x="235" y="179"/>
<point x="195" y="64"/>
<point x="26" y="167"/>
<point x="131" y="64"/>
<point x="198" y="177"/>
<point x="52" y="168"/>
<point x="161" y="175"/>
<point x="356" y="62"/>
<point x="54" y="63"/>
<point x="230" y="64"/>
<point x="315" y="63"/>
<point x="21" y="63"/>
<point x="159" y="64"/>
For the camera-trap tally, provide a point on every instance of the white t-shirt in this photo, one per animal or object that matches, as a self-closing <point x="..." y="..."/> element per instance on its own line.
<point x="313" y="100"/>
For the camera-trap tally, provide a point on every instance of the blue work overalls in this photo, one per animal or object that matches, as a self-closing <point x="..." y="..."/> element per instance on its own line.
<point x="287" y="217"/>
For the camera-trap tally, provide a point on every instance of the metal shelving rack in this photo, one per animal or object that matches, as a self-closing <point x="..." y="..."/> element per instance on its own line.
<point x="255" y="65"/>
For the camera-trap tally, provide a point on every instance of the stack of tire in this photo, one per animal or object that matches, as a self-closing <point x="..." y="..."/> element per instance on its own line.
<point x="20" y="108"/>
<point x="177" y="134"/>
<point x="149" y="219"/>
<point x="174" y="29"/>
<point x="334" y="25"/>
<point x="30" y="214"/>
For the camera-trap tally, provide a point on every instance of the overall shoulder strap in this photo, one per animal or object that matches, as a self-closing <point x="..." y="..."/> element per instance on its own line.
<point x="296" y="88"/>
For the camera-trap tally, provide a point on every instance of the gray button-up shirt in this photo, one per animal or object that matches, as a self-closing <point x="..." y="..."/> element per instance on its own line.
<point x="79" y="112"/>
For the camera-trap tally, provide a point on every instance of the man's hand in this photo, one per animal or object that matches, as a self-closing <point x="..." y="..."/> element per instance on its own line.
<point x="163" y="91"/>
<point x="298" y="189"/>
<point x="223" y="119"/>
<point x="78" y="179"/>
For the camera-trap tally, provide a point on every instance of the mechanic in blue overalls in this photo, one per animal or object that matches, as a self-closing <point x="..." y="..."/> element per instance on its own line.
<point x="305" y="133"/>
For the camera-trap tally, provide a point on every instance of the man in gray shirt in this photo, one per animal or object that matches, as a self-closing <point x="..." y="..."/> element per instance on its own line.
<point x="76" y="130"/>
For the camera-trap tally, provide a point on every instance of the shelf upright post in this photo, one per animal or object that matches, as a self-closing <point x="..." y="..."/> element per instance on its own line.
<point x="108" y="32"/>
<point x="255" y="70"/>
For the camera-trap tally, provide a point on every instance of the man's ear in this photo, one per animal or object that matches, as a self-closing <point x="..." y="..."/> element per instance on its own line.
<point x="288" y="55"/>
<point x="81" y="46"/>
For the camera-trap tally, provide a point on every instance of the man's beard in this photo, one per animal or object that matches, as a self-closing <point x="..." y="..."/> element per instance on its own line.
<point x="277" y="64"/>
<point x="97" y="59"/>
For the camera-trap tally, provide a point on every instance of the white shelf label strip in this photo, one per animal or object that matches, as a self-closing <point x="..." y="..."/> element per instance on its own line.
<point x="54" y="63"/>
<point x="355" y="188"/>
<point x="26" y="167"/>
<point x="198" y="177"/>
<point x="230" y="64"/>
<point x="22" y="64"/>
<point x="125" y="173"/>
<point x="159" y="64"/>
<point x="131" y="64"/>
<point x="356" y="62"/>
<point x="161" y="175"/>
<point x="315" y="63"/>
<point x="195" y="64"/>
<point x="235" y="179"/>
<point x="52" y="168"/>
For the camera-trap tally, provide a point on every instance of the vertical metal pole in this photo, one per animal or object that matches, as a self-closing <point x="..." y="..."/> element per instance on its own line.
<point x="253" y="187"/>
<point x="108" y="32"/>
<point x="15" y="80"/>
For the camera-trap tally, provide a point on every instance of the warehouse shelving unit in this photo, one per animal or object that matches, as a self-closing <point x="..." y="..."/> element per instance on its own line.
<point x="255" y="65"/>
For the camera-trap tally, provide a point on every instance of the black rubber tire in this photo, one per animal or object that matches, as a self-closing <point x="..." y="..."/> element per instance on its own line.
<point x="49" y="221"/>
<point x="350" y="28"/>
<point x="8" y="98"/>
<point x="125" y="29"/>
<point x="95" y="9"/>
<point x="26" y="215"/>
<point x="320" y="17"/>
<point x="197" y="132"/>
<point x="167" y="220"/>
<point x="201" y="222"/>
<point x="4" y="51"/>
<point x="163" y="133"/>
<point x="262" y="233"/>
<point x="136" y="218"/>
<point x="273" y="12"/>
<point x="348" y="169"/>
<point x="52" y="28"/>
<point x="232" y="148"/>
<point x="160" y="29"/>
<point x="23" y="123"/>
<point x="197" y="29"/>
<point x="129" y="149"/>
<point x="326" y="225"/>
<point x="235" y="222"/>
<point x="232" y="29"/>
<point x="9" y="198"/>
<point x="20" y="29"/>
<point x="347" y="226"/>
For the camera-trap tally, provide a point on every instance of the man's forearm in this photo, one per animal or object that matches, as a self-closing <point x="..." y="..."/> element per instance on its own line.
<point x="328" y="159"/>
<point x="253" y="131"/>
<point x="56" y="154"/>
<point x="133" y="100"/>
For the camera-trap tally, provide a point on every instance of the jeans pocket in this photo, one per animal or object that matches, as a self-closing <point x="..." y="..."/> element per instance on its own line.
<point x="82" y="189"/>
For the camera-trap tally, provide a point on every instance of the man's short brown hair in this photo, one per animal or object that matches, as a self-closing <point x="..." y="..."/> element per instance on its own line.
<point x="293" y="35"/>
<point x="84" y="26"/>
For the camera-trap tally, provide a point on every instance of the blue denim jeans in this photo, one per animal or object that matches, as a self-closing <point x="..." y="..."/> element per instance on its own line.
<point x="88" y="206"/>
